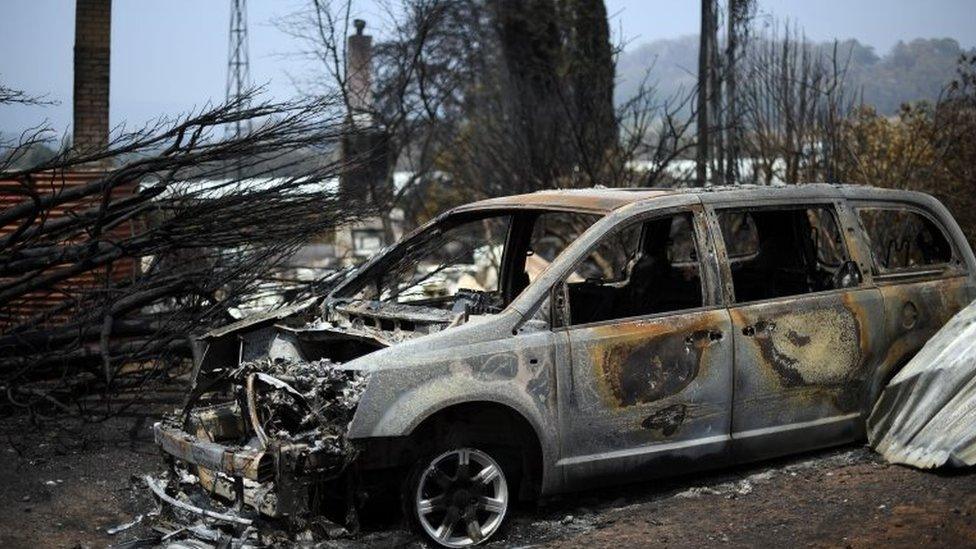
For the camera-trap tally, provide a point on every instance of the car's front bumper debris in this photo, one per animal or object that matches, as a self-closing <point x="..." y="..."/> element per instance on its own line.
<point x="257" y="465"/>
<point x="275" y="429"/>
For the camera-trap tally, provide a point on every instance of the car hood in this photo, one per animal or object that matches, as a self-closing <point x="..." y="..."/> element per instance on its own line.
<point x="351" y="334"/>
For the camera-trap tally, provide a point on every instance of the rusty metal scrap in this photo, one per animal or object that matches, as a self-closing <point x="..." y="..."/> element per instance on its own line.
<point x="242" y="462"/>
<point x="311" y="403"/>
<point x="925" y="415"/>
<point x="159" y="488"/>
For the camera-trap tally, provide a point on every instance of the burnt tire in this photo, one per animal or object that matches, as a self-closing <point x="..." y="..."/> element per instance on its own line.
<point x="459" y="494"/>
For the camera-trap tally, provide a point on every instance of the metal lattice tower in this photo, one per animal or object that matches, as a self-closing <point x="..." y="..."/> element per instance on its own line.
<point x="238" y="64"/>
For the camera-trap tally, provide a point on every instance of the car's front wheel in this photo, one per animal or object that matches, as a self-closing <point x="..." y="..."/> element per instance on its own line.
<point x="458" y="497"/>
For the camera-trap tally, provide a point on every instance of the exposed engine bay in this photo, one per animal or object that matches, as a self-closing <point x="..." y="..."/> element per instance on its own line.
<point x="273" y="416"/>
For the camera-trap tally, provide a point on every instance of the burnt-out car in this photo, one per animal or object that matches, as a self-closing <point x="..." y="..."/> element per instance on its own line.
<point x="543" y="343"/>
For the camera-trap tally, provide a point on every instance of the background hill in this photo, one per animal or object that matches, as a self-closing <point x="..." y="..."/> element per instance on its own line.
<point x="910" y="71"/>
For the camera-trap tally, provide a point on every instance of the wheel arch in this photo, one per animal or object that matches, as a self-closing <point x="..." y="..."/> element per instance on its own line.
<point x="490" y="421"/>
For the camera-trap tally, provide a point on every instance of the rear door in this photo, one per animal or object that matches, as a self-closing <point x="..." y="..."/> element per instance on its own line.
<point x="651" y="350"/>
<point x="803" y="332"/>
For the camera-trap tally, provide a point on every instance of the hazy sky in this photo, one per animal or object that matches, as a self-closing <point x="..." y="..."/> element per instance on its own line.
<point x="169" y="56"/>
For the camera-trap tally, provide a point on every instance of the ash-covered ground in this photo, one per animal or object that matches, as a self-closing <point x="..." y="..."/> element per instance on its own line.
<point x="66" y="484"/>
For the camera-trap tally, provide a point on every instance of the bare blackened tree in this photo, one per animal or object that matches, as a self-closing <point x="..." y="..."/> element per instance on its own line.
<point x="706" y="69"/>
<point x="556" y="77"/>
<point x="106" y="275"/>
<point x="793" y="99"/>
<point x="592" y="69"/>
<point x="655" y="131"/>
<point x="486" y="98"/>
<point x="739" y="17"/>
<point x="718" y="113"/>
<point x="530" y="85"/>
<point x="418" y="73"/>
<point x="11" y="96"/>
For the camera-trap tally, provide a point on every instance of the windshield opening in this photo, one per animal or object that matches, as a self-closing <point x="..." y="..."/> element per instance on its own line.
<point x="481" y="259"/>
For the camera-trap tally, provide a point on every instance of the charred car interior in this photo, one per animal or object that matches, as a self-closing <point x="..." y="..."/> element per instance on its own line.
<point x="536" y="344"/>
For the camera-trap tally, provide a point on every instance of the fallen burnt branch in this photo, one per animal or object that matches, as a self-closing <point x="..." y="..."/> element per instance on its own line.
<point x="112" y="259"/>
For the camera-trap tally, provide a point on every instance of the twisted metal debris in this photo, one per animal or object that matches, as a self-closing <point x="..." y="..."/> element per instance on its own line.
<point x="925" y="416"/>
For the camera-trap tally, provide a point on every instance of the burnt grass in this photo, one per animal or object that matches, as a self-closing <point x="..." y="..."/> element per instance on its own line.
<point x="65" y="483"/>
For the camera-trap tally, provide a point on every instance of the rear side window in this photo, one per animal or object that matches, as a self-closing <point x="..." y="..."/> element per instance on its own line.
<point x="904" y="240"/>
<point x="783" y="252"/>
<point x="740" y="234"/>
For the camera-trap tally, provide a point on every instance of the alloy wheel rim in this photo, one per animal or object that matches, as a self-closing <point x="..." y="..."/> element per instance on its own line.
<point x="462" y="498"/>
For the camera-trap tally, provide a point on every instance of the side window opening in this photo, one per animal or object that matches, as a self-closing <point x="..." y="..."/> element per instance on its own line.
<point x="783" y="252"/>
<point x="552" y="232"/>
<point x="480" y="261"/>
<point x="740" y="235"/>
<point x="904" y="240"/>
<point x="645" y="268"/>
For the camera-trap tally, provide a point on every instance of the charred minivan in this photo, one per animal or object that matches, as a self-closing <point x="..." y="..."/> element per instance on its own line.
<point x="537" y="344"/>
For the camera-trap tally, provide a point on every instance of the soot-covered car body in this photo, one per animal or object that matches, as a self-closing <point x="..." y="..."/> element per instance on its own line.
<point x="542" y="343"/>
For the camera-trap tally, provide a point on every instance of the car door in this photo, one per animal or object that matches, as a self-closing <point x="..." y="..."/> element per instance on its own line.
<point x="649" y="390"/>
<point x="803" y="328"/>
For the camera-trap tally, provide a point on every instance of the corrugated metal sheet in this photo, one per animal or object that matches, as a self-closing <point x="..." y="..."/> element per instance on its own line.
<point x="926" y="416"/>
<point x="11" y="194"/>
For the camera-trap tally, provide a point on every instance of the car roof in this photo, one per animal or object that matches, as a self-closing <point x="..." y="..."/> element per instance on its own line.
<point x="605" y="199"/>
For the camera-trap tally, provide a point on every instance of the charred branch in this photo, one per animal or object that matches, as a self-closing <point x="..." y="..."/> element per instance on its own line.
<point x="112" y="272"/>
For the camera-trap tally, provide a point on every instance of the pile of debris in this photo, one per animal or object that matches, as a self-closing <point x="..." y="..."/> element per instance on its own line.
<point x="192" y="518"/>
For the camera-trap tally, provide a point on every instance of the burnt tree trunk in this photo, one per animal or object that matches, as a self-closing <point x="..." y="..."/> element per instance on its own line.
<point x="736" y="32"/>
<point x="529" y="33"/>
<point x="558" y="62"/>
<point x="705" y="45"/>
<point x="715" y="101"/>
<point x="592" y="82"/>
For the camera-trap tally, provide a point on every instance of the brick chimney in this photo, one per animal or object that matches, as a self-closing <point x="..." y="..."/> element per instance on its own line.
<point x="93" y="25"/>
<point x="359" y="70"/>
<point x="364" y="145"/>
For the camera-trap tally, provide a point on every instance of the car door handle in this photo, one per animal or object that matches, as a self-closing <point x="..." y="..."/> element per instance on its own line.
<point x="706" y="336"/>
